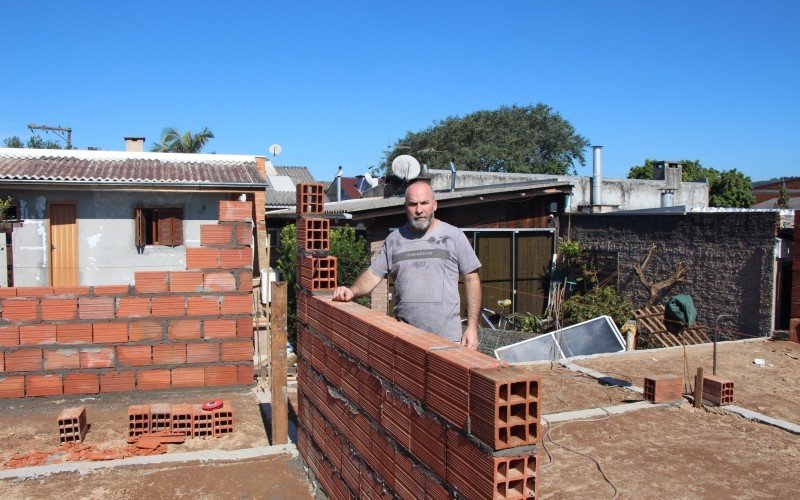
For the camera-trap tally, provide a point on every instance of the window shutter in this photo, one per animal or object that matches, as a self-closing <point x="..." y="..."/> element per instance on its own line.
<point x="164" y="227"/>
<point x="177" y="226"/>
<point x="140" y="234"/>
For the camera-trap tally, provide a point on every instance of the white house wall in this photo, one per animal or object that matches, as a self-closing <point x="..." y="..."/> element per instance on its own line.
<point x="105" y="224"/>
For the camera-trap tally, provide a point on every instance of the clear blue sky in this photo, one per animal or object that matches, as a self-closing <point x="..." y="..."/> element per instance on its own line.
<point x="333" y="82"/>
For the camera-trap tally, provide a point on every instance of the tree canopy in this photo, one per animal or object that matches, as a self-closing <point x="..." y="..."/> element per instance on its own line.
<point x="526" y="139"/>
<point x="726" y="188"/>
<point x="173" y="141"/>
<point x="34" y="142"/>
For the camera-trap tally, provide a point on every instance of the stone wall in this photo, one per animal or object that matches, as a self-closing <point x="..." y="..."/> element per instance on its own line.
<point x="730" y="255"/>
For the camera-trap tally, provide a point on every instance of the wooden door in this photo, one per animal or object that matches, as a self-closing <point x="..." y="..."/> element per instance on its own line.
<point x="534" y="255"/>
<point x="63" y="245"/>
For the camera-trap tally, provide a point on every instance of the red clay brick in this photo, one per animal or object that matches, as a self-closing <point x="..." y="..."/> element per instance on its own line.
<point x="74" y="333"/>
<point x="188" y="377"/>
<point x="34" y="291"/>
<point x="169" y="354"/>
<point x="133" y="307"/>
<point x="202" y="306"/>
<point x="97" y="357"/>
<point x="135" y="355"/>
<point x="81" y="383"/>
<point x="202" y="353"/>
<point x="202" y="258"/>
<point x="37" y="334"/>
<point x="71" y="290"/>
<point x="103" y="333"/>
<point x="235" y="211"/>
<point x="219" y="282"/>
<point x="185" y="281"/>
<point x="9" y="335"/>
<point x="163" y="307"/>
<point x="244" y="234"/>
<point x="118" y="381"/>
<point x="221" y="375"/>
<point x="96" y="308"/>
<point x="62" y="359"/>
<point x="12" y="387"/>
<point x="216" y="235"/>
<point x="219" y="328"/>
<point x="245" y="279"/>
<point x="236" y="351"/>
<point x="183" y="329"/>
<point x="21" y="309"/>
<point x="245" y="374"/>
<point x="24" y="360"/>
<point x="244" y="328"/>
<point x="233" y="258"/>
<point x="237" y="304"/>
<point x="59" y="309"/>
<point x="145" y="330"/>
<point x="43" y="385"/>
<point x="8" y="291"/>
<point x="151" y="281"/>
<point x="111" y="289"/>
<point x="152" y="379"/>
<point x="2" y="362"/>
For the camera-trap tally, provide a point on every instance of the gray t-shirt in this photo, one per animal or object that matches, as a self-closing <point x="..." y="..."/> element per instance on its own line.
<point x="425" y="270"/>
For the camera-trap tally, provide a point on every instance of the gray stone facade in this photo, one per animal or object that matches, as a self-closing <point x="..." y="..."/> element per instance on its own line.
<point x="731" y="255"/>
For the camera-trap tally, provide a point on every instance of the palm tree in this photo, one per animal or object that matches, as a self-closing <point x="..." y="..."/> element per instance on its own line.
<point x="172" y="141"/>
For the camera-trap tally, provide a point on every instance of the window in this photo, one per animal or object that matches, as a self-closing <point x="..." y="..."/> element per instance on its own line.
<point x="159" y="226"/>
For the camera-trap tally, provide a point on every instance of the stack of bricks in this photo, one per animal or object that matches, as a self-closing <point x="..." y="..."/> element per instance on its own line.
<point x="794" y="322"/>
<point x="717" y="390"/>
<point x="190" y="420"/>
<point x="388" y="410"/>
<point x="72" y="425"/>
<point x="663" y="388"/>
<point x="188" y="328"/>
<point x="317" y="270"/>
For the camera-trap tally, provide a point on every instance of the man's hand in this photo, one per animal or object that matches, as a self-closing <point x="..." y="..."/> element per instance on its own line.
<point x="343" y="294"/>
<point x="469" y="338"/>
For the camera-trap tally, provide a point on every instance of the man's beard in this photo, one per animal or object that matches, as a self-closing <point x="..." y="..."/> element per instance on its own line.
<point x="420" y="224"/>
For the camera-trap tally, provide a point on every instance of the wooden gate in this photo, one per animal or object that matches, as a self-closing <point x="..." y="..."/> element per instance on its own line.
<point x="63" y="244"/>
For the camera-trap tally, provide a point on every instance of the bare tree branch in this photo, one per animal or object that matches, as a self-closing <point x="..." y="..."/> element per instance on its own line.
<point x="655" y="288"/>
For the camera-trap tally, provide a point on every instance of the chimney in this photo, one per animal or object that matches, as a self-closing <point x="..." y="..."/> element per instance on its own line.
<point x="452" y="177"/>
<point x="597" y="176"/>
<point x="134" y="144"/>
<point x="339" y="184"/>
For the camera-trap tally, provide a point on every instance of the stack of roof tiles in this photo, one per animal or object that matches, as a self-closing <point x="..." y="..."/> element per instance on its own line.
<point x="386" y="409"/>
<point x="170" y="329"/>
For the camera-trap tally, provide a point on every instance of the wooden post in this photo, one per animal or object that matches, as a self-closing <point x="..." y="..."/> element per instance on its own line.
<point x="698" y="388"/>
<point x="277" y="365"/>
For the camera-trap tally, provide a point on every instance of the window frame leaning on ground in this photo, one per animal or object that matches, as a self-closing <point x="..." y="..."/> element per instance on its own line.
<point x="165" y="226"/>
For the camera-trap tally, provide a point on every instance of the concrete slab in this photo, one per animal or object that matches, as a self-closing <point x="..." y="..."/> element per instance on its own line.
<point x="573" y="415"/>
<point x="638" y="405"/>
<point x="764" y="419"/>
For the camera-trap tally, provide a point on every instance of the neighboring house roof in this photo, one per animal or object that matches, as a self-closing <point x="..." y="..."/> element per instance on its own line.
<point x="350" y="189"/>
<point x="377" y="206"/>
<point x="793" y="203"/>
<point x="281" y="189"/>
<point x="125" y="169"/>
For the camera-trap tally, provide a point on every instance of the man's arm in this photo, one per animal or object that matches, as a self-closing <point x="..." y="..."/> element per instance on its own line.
<point x="472" y="284"/>
<point x="364" y="285"/>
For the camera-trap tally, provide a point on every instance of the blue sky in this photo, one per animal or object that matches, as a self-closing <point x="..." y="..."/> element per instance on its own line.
<point x="334" y="82"/>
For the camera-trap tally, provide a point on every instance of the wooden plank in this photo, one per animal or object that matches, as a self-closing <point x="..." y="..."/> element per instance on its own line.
<point x="277" y="365"/>
<point x="262" y="249"/>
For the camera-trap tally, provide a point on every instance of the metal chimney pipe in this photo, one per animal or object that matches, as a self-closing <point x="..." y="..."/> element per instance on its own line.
<point x="452" y="177"/>
<point x="339" y="184"/>
<point x="597" y="175"/>
<point x="667" y="197"/>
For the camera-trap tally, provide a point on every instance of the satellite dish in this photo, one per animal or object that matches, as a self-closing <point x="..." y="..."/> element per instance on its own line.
<point x="406" y="167"/>
<point x="275" y="149"/>
<point x="372" y="181"/>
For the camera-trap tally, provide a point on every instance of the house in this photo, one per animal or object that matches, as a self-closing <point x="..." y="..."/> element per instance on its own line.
<point x="768" y="194"/>
<point x="96" y="217"/>
<point x="350" y="188"/>
<point x="281" y="187"/>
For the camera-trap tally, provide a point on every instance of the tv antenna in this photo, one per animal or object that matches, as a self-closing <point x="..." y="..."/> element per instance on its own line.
<point x="405" y="167"/>
<point x="60" y="131"/>
<point x="275" y="149"/>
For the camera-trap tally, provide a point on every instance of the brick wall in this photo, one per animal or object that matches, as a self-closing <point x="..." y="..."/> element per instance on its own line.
<point x="170" y="329"/>
<point x="386" y="409"/>
<point x="794" y="322"/>
<point x="730" y="257"/>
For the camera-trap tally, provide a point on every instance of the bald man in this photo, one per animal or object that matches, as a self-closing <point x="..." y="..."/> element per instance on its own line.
<point x="425" y="257"/>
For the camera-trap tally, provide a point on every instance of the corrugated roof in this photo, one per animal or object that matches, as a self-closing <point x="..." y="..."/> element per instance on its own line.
<point x="122" y="168"/>
<point x="282" y="193"/>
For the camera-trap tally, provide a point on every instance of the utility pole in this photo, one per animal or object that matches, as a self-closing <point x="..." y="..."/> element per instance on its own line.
<point x="57" y="130"/>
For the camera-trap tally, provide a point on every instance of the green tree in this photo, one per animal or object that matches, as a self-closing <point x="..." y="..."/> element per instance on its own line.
<point x="600" y="301"/>
<point x="173" y="141"/>
<point x="726" y="188"/>
<point x="34" y="142"/>
<point x="352" y="256"/>
<point x="528" y="139"/>
<point x="783" y="198"/>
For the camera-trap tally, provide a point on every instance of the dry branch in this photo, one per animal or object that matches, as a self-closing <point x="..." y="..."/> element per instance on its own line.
<point x="655" y="288"/>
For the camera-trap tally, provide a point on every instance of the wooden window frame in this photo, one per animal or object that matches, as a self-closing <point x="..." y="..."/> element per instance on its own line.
<point x="158" y="226"/>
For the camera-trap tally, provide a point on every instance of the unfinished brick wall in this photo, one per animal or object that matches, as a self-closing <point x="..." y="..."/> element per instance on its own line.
<point x="794" y="322"/>
<point x="386" y="409"/>
<point x="188" y="328"/>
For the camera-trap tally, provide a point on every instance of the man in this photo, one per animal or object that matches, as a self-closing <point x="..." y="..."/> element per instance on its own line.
<point x="425" y="258"/>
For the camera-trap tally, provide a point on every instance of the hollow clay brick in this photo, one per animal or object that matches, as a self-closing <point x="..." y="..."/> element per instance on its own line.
<point x="202" y="352"/>
<point x="237" y="304"/>
<point x="152" y="379"/>
<point x="183" y="329"/>
<point x="221" y="375"/>
<point x="96" y="307"/>
<point x="74" y="333"/>
<point x="71" y="290"/>
<point x="168" y="306"/>
<point x="151" y="281"/>
<point x="103" y="333"/>
<point x="42" y="333"/>
<point x="244" y="328"/>
<point x="202" y="258"/>
<point x="97" y="357"/>
<point x="9" y="335"/>
<point x="219" y="282"/>
<point x="234" y="258"/>
<point x="169" y="354"/>
<point x="133" y="307"/>
<point x="245" y="374"/>
<point x="185" y="281"/>
<point x="81" y="383"/>
<point x="21" y="309"/>
<point x="8" y="292"/>
<point x="43" y="385"/>
<point x="59" y="309"/>
<point x="145" y="330"/>
<point x="117" y="381"/>
<point x="219" y="328"/>
<point x="12" y="387"/>
<point x="235" y="211"/>
<point x="216" y="235"/>
<point x="24" y="360"/>
<point x="138" y="355"/>
<point x="34" y="291"/>
<point x="188" y="376"/>
<point x="62" y="359"/>
<point x="243" y="234"/>
<point x="111" y="290"/>
<point x="202" y="306"/>
<point x="236" y="351"/>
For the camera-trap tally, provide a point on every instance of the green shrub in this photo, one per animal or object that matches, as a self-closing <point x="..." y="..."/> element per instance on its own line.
<point x="600" y="301"/>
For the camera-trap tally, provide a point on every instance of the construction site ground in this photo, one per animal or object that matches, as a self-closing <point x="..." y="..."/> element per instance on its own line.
<point x="677" y="451"/>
